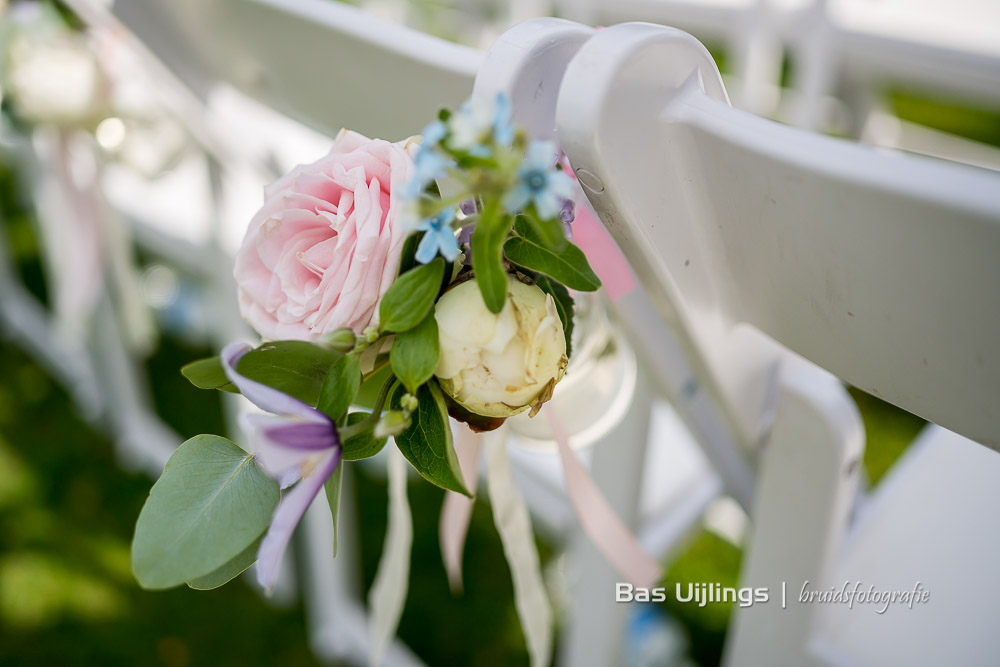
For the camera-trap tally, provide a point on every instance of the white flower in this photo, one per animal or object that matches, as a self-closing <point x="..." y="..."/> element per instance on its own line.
<point x="498" y="365"/>
<point x="56" y="81"/>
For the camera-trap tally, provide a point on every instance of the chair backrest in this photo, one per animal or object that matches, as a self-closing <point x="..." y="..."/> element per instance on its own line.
<point x="324" y="64"/>
<point x="878" y="267"/>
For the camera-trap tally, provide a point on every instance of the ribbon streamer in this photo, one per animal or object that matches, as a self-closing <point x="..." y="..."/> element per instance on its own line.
<point x="388" y="592"/>
<point x="598" y="519"/>
<point x="514" y="525"/>
<point x="604" y="256"/>
<point x="457" y="509"/>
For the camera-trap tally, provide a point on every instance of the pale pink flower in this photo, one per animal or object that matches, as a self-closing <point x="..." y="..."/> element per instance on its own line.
<point x="326" y="245"/>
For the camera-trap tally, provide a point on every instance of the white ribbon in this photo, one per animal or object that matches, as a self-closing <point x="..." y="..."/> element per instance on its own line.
<point x="598" y="519"/>
<point x="388" y="592"/>
<point x="514" y="525"/>
<point x="457" y="509"/>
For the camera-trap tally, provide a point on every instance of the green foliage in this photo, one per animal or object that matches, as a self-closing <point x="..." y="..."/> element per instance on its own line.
<point x="232" y="569"/>
<point x="569" y="266"/>
<point x="208" y="374"/>
<point x="487" y="255"/>
<point x="414" y="354"/>
<point x="332" y="487"/>
<point x="340" y="386"/>
<point x="411" y="297"/>
<point x="294" y="367"/>
<point x="365" y="444"/>
<point x="548" y="231"/>
<point x="427" y="443"/>
<point x="211" y="502"/>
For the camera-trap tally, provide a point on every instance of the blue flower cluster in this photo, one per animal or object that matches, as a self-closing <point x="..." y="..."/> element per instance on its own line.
<point x="481" y="137"/>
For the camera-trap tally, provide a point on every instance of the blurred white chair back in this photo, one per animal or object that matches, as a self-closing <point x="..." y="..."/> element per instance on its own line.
<point x="325" y="64"/>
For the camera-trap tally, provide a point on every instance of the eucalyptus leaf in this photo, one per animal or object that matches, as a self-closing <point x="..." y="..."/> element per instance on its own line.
<point x="211" y="502"/>
<point x="414" y="354"/>
<point x="364" y="445"/>
<point x="340" y="386"/>
<point x="294" y="367"/>
<point x="332" y="488"/>
<point x="565" y="306"/>
<point x="427" y="443"/>
<point x="411" y="297"/>
<point x="230" y="570"/>
<point x="569" y="266"/>
<point x="487" y="255"/>
<point x="208" y="374"/>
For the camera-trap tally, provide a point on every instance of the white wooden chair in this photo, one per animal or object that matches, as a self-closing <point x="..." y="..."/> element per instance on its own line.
<point x="762" y="245"/>
<point x="845" y="54"/>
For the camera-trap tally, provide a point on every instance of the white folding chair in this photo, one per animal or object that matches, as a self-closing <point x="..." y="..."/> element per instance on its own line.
<point x="759" y="243"/>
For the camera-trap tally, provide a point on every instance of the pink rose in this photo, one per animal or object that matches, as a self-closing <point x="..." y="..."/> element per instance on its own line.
<point x="326" y="245"/>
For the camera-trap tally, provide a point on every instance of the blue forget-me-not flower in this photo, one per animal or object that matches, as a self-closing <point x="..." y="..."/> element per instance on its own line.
<point x="539" y="183"/>
<point x="438" y="237"/>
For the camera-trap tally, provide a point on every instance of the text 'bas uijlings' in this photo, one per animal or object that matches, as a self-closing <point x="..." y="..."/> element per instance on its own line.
<point x="700" y="594"/>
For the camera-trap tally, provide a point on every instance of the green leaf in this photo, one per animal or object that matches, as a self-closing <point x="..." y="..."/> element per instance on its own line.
<point x="340" y="386"/>
<point x="548" y="232"/>
<point x="569" y="266"/>
<point x="208" y="374"/>
<point x="487" y="255"/>
<point x="332" y="488"/>
<point x="230" y="570"/>
<point x="564" y="306"/>
<point x="294" y="367"/>
<point x="364" y="445"/>
<point x="427" y="443"/>
<point x="414" y="354"/>
<point x="211" y="502"/>
<point x="410" y="298"/>
<point x="371" y="387"/>
<point x="408" y="259"/>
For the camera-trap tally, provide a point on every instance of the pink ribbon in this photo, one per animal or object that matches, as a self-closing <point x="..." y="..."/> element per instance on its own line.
<point x="599" y="521"/>
<point x="605" y="258"/>
<point x="457" y="509"/>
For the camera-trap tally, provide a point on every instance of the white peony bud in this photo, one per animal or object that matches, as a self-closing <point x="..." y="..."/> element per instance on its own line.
<point x="498" y="365"/>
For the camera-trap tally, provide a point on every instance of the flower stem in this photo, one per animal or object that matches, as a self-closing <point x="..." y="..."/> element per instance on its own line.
<point x="353" y="430"/>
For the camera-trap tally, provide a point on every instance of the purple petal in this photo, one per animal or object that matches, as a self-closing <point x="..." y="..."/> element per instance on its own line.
<point x="291" y="508"/>
<point x="307" y="436"/>
<point x="264" y="397"/>
<point x="283" y="447"/>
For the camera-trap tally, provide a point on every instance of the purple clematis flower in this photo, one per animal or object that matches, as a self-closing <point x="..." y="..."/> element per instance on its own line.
<point x="296" y="443"/>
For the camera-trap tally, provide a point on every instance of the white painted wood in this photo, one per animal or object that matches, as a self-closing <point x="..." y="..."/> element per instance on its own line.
<point x="807" y="481"/>
<point x="325" y="64"/>
<point x="877" y="266"/>
<point x="821" y="244"/>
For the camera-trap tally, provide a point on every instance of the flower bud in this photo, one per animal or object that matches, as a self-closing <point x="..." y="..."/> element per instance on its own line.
<point x="499" y="365"/>
<point x="392" y="423"/>
<point x="341" y="340"/>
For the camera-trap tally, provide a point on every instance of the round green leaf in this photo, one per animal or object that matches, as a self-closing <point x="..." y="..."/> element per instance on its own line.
<point x="211" y="502"/>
